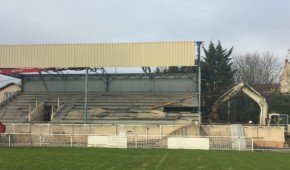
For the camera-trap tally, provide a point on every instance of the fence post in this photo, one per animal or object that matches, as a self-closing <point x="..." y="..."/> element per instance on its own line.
<point x="252" y="144"/>
<point x="147" y="129"/>
<point x="239" y="143"/>
<point x="71" y="140"/>
<point x="160" y="131"/>
<point x="40" y="140"/>
<point x="135" y="141"/>
<point x="9" y="140"/>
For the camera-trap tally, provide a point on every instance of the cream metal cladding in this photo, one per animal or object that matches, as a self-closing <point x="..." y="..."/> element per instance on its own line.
<point x="97" y="55"/>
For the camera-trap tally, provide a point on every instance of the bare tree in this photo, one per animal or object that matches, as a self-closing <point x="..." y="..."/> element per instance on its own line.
<point x="258" y="70"/>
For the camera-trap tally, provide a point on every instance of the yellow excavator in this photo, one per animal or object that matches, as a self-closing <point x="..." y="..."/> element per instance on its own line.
<point x="274" y="119"/>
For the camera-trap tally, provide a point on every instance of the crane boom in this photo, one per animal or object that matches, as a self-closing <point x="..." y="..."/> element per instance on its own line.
<point x="252" y="93"/>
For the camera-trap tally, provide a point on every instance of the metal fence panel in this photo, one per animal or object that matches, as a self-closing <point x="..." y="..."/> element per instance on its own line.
<point x="133" y="141"/>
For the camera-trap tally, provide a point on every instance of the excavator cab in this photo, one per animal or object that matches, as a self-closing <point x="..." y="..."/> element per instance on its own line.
<point x="276" y="119"/>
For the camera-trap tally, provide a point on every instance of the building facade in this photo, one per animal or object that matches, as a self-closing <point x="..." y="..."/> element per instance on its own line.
<point x="285" y="76"/>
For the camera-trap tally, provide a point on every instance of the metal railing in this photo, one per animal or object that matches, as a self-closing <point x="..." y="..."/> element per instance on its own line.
<point x="135" y="141"/>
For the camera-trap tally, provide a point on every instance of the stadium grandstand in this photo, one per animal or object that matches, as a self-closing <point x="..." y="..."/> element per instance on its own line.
<point x="84" y="95"/>
<point x="65" y="97"/>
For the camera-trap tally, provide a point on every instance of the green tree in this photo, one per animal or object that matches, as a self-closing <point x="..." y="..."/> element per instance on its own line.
<point x="216" y="75"/>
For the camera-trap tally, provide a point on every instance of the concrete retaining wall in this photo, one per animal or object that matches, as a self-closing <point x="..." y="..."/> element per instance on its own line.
<point x="93" y="129"/>
<point x="215" y="130"/>
<point x="272" y="136"/>
<point x="264" y="136"/>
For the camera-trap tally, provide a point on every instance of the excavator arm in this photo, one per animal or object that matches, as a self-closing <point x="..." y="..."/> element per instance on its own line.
<point x="252" y="93"/>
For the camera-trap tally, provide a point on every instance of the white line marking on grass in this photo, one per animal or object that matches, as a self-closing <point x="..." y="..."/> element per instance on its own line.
<point x="162" y="160"/>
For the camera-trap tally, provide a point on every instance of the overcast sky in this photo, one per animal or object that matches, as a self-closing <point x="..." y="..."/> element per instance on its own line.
<point x="248" y="25"/>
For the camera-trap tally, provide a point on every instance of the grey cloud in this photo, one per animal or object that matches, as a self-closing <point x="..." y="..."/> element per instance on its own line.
<point x="248" y="25"/>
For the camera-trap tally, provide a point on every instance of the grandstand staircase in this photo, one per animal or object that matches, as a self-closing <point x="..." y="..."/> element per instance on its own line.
<point x="189" y="130"/>
<point x="238" y="132"/>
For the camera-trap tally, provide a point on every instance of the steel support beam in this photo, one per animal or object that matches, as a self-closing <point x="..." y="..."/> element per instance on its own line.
<point x="199" y="43"/>
<point x="86" y="97"/>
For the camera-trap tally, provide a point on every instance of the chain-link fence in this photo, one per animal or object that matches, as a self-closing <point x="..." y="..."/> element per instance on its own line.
<point x="140" y="141"/>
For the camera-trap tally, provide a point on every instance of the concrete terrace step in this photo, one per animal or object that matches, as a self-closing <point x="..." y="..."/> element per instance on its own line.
<point x="110" y="106"/>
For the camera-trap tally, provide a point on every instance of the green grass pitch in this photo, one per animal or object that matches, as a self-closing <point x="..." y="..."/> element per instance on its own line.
<point x="41" y="158"/>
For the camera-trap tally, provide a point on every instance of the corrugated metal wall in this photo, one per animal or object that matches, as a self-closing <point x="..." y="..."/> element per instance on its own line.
<point x="116" y="83"/>
<point x="62" y="84"/>
<point x="152" y="85"/>
<point x="97" y="55"/>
